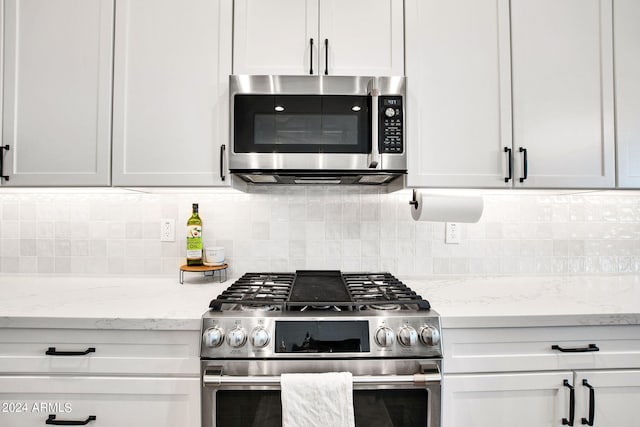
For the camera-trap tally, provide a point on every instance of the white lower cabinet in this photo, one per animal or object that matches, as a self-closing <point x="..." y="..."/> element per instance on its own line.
<point x="123" y="378"/>
<point x="113" y="401"/>
<point x="525" y="376"/>
<point x="615" y="400"/>
<point x="496" y="400"/>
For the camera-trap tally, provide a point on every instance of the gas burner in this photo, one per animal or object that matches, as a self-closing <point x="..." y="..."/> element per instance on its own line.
<point x="384" y="307"/>
<point x="253" y="307"/>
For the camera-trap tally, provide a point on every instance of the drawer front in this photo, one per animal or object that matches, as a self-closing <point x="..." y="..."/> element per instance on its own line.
<point x="107" y="351"/>
<point x="530" y="349"/>
<point x="122" y="402"/>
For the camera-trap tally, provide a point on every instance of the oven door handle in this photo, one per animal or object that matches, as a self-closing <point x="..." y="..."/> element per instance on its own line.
<point x="214" y="378"/>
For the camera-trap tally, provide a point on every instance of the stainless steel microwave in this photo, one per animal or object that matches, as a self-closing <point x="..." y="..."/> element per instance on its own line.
<point x="317" y="129"/>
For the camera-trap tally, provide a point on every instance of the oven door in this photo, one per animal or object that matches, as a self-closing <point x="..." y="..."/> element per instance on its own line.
<point x="247" y="393"/>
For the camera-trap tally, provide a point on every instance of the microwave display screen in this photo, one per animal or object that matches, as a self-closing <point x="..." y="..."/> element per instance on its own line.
<point x="302" y="124"/>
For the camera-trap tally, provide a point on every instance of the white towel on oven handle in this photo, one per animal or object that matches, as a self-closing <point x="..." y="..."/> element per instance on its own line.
<point x="317" y="400"/>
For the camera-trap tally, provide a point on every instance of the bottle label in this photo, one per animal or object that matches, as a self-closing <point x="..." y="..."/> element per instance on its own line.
<point x="194" y="242"/>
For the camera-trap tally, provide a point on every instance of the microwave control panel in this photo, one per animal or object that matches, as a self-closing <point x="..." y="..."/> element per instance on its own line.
<point x="390" y="124"/>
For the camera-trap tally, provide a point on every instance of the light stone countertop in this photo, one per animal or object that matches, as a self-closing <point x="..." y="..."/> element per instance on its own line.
<point x="506" y="301"/>
<point x="164" y="304"/>
<point x="160" y="303"/>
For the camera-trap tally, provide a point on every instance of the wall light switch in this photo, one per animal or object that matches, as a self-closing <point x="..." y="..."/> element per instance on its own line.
<point x="167" y="230"/>
<point x="452" y="233"/>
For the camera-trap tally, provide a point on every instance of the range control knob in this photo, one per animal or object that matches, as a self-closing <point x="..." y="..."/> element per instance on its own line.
<point x="237" y="337"/>
<point x="429" y="335"/>
<point x="389" y="112"/>
<point x="384" y="337"/>
<point x="407" y="336"/>
<point x="259" y="337"/>
<point x="213" y="337"/>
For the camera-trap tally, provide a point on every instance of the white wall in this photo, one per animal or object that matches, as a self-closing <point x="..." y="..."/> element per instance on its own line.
<point x="288" y="228"/>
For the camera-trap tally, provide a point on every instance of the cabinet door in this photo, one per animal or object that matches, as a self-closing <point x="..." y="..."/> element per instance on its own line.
<point x="506" y="400"/>
<point x="458" y="88"/>
<point x="57" y="62"/>
<point x="627" y="69"/>
<point x="114" y="401"/>
<point x="364" y="37"/>
<point x="562" y="79"/>
<point x="274" y="37"/>
<point x="616" y="396"/>
<point x="171" y="78"/>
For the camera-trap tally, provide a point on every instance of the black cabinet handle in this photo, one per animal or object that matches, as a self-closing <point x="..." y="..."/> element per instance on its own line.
<point x="508" y="151"/>
<point x="223" y="148"/>
<point x="592" y="403"/>
<point x="326" y="57"/>
<point x="526" y="164"/>
<point x="591" y="347"/>
<point x="311" y="56"/>
<point x="52" y="420"/>
<point x="2" y="175"/>
<point x="53" y="352"/>
<point x="572" y="404"/>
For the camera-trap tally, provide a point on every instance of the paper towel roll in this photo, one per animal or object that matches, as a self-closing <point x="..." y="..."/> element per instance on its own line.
<point x="440" y="208"/>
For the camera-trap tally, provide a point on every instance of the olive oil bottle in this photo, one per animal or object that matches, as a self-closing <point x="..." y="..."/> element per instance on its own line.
<point x="194" y="238"/>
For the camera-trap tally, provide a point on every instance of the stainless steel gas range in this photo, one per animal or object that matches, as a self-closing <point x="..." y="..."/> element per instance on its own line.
<point x="369" y="324"/>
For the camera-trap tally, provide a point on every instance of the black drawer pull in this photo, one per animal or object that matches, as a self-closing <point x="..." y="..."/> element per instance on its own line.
<point x="572" y="404"/>
<point x="592" y="403"/>
<point x="52" y="420"/>
<point x="591" y="347"/>
<point x="53" y="352"/>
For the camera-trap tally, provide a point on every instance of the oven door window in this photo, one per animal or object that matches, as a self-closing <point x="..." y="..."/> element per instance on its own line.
<point x="302" y="124"/>
<point x="372" y="408"/>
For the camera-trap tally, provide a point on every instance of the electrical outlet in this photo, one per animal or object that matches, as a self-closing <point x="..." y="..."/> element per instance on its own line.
<point x="452" y="233"/>
<point x="167" y="230"/>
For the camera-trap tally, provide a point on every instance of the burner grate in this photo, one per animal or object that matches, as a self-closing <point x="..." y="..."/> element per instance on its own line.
<point x="345" y="291"/>
<point x="257" y="289"/>
<point x="381" y="289"/>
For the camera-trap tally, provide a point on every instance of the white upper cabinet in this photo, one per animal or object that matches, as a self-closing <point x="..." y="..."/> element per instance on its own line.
<point x="334" y="37"/>
<point x="492" y="83"/>
<point x="171" y="106"/>
<point x="562" y="79"/>
<point x="627" y="69"/>
<point x="458" y="86"/>
<point x="274" y="37"/>
<point x="56" y="77"/>
<point x="363" y="37"/>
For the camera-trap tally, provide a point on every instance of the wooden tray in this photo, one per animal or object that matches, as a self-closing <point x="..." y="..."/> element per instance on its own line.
<point x="204" y="269"/>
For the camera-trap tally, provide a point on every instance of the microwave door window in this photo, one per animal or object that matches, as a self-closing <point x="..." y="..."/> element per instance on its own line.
<point x="302" y="124"/>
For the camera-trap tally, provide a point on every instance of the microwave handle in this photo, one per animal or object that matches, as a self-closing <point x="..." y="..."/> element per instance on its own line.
<point x="374" y="156"/>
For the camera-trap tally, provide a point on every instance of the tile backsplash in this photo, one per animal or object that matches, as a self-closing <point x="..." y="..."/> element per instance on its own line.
<point x="289" y="228"/>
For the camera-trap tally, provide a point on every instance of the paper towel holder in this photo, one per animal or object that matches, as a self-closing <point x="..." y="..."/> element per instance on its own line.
<point x="414" y="202"/>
